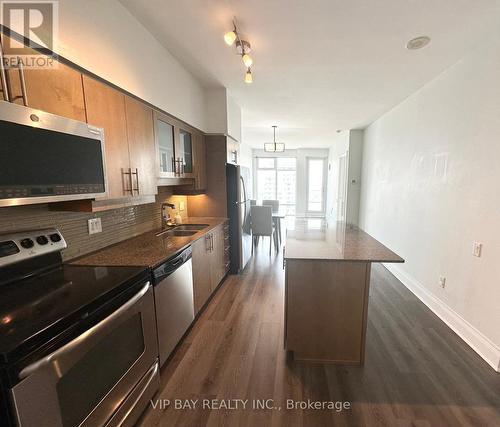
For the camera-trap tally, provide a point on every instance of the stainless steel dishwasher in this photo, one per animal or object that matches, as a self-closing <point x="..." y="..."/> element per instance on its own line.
<point x="173" y="290"/>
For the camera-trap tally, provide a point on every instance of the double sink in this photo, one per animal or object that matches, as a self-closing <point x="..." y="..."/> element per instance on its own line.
<point x="185" y="230"/>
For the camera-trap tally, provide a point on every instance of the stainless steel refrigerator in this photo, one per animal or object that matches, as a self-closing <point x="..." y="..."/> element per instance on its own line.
<point x="239" y="193"/>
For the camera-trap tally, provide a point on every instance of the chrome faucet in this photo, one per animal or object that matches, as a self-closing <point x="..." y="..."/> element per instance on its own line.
<point x="165" y="216"/>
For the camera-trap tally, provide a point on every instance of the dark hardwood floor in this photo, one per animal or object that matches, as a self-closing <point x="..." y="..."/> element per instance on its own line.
<point x="417" y="371"/>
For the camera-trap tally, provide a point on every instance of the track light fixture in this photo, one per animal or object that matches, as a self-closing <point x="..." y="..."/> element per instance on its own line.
<point x="243" y="48"/>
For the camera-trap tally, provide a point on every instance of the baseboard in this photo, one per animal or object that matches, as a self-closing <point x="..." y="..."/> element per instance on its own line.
<point x="475" y="339"/>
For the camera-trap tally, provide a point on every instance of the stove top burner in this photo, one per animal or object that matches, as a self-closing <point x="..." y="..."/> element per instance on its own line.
<point x="40" y="296"/>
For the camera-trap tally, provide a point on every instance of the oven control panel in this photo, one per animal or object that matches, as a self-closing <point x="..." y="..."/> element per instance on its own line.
<point x="15" y="247"/>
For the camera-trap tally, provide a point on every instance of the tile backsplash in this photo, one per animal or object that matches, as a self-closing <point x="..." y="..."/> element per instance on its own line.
<point x="117" y="224"/>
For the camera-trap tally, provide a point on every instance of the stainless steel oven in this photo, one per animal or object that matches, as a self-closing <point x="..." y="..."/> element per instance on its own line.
<point x="47" y="158"/>
<point x="103" y="377"/>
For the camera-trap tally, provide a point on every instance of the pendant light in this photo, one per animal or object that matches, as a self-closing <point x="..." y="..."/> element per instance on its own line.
<point x="274" y="147"/>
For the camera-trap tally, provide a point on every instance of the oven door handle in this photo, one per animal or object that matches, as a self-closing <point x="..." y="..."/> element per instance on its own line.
<point x="30" y="369"/>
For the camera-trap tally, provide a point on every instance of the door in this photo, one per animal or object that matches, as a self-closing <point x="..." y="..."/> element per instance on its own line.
<point x="57" y="90"/>
<point x="141" y="145"/>
<point x="202" y="285"/>
<point x="342" y="187"/>
<point x="244" y="221"/>
<point x="184" y="153"/>
<point x="83" y="382"/>
<point x="200" y="162"/>
<point x="106" y="109"/>
<point x="165" y="143"/>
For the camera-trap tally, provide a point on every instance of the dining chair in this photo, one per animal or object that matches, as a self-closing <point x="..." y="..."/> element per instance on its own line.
<point x="262" y="224"/>
<point x="275" y="204"/>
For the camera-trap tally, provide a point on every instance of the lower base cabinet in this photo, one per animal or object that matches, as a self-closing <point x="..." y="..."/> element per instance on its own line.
<point x="209" y="265"/>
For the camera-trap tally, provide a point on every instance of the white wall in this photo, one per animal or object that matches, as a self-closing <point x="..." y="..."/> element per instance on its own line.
<point x="350" y="142"/>
<point x="102" y="37"/>
<point x="354" y="176"/>
<point x="339" y="146"/>
<point x="301" y="154"/>
<point x="223" y="114"/>
<point x="431" y="186"/>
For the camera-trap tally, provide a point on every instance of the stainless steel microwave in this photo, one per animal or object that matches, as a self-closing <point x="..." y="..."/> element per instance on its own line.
<point x="46" y="158"/>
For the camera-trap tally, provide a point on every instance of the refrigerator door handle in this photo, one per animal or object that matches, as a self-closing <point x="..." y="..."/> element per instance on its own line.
<point x="244" y="189"/>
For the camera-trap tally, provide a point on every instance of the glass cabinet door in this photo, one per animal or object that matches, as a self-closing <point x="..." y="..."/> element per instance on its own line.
<point x="166" y="146"/>
<point x="186" y="151"/>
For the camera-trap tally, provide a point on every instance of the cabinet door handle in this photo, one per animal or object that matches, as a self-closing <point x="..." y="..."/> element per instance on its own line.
<point x="207" y="242"/>
<point x="3" y="76"/>
<point x="212" y="239"/>
<point x="127" y="189"/>
<point x="24" y="94"/>
<point x="136" y="173"/>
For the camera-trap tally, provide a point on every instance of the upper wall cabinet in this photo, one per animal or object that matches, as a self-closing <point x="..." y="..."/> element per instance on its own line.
<point x="128" y="139"/>
<point x="185" y="152"/>
<point x="181" y="150"/>
<point x="106" y="109"/>
<point x="141" y="146"/>
<point x="57" y="90"/>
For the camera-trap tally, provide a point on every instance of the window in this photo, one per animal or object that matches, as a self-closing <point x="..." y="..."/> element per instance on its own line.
<point x="276" y="180"/>
<point x="316" y="175"/>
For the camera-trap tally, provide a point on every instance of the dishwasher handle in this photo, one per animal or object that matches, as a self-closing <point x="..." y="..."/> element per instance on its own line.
<point x="172" y="264"/>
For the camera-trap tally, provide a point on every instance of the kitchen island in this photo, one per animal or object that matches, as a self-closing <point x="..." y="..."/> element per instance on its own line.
<point x="327" y="282"/>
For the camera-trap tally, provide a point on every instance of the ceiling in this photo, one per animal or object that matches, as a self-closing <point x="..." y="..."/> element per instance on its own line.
<point x="319" y="65"/>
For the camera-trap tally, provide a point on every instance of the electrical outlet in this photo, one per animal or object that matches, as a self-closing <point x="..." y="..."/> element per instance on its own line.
<point x="181" y="206"/>
<point x="476" y="249"/>
<point x="442" y="281"/>
<point x="95" y="225"/>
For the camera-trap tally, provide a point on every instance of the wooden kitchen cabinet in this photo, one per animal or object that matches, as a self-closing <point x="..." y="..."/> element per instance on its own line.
<point x="180" y="154"/>
<point x="141" y="146"/>
<point x="184" y="152"/>
<point x="200" y="162"/>
<point x="202" y="282"/>
<point x="216" y="266"/>
<point x="220" y="254"/>
<point x="106" y="109"/>
<point x="199" y="183"/>
<point x="210" y="264"/>
<point x="165" y="132"/>
<point x="57" y="90"/>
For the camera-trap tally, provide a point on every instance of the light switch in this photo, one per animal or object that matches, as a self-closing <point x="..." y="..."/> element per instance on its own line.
<point x="181" y="206"/>
<point x="476" y="249"/>
<point x="94" y="225"/>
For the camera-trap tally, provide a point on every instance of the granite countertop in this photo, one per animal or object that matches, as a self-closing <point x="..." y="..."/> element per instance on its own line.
<point x="318" y="239"/>
<point x="148" y="249"/>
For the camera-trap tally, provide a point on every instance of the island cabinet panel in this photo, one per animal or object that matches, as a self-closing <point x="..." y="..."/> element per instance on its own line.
<point x="141" y="145"/>
<point x="325" y="310"/>
<point x="106" y="109"/>
<point x="57" y="89"/>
